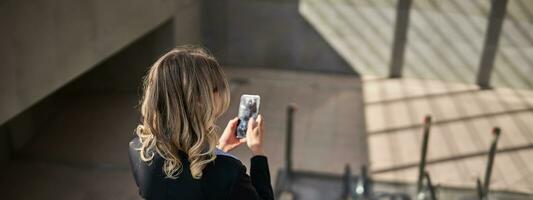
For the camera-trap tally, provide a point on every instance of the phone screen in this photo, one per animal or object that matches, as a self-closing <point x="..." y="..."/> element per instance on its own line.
<point x="248" y="108"/>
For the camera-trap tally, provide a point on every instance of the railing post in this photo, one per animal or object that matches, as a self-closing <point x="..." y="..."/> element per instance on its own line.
<point x="479" y="189"/>
<point x="283" y="185"/>
<point x="347" y="190"/>
<point x="288" y="140"/>
<point x="490" y="162"/>
<point x="400" y="38"/>
<point x="430" y="187"/>
<point x="422" y="164"/>
<point x="363" y="188"/>
<point x="492" y="36"/>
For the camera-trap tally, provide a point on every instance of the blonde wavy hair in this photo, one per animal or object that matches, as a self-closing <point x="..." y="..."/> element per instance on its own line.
<point x="185" y="91"/>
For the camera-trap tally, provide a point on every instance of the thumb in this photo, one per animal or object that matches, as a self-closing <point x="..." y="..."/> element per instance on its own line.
<point x="251" y="123"/>
<point x="233" y="122"/>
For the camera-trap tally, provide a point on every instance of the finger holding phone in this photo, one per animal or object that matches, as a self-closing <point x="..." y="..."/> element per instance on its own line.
<point x="248" y="127"/>
<point x="254" y="135"/>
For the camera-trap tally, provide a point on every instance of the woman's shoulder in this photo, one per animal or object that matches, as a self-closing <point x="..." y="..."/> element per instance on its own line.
<point x="225" y="155"/>
<point x="225" y="166"/>
<point x="225" y="161"/>
<point x="222" y="174"/>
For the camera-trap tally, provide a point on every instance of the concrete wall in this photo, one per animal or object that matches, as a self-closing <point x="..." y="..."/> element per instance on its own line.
<point x="123" y="71"/>
<point x="18" y="130"/>
<point x="266" y="33"/>
<point x="44" y="44"/>
<point x="88" y="45"/>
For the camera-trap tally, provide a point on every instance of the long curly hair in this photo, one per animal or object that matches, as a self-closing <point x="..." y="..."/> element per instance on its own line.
<point x="185" y="91"/>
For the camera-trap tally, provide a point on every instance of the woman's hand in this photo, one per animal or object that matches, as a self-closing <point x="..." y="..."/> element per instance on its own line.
<point x="228" y="140"/>
<point x="254" y="135"/>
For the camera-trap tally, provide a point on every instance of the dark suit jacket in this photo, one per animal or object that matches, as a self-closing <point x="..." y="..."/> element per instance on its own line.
<point x="225" y="178"/>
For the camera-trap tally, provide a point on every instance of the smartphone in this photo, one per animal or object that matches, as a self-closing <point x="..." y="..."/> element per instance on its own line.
<point x="248" y="108"/>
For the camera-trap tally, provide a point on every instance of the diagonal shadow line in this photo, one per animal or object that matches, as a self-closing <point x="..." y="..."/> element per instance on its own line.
<point x="446" y="38"/>
<point x="452" y="158"/>
<point x="383" y="38"/>
<point x="386" y="115"/>
<point x="331" y="4"/>
<point x="457" y="73"/>
<point x="522" y="8"/>
<point x="462" y="112"/>
<point x="427" y="96"/>
<point x="522" y="30"/>
<point x="429" y="64"/>
<point x="338" y="34"/>
<point x="507" y="60"/>
<point x="395" y="155"/>
<point x="370" y="24"/>
<point x="517" y="120"/>
<point x="410" y="112"/>
<point x="474" y="137"/>
<point x="464" y="36"/>
<point x="461" y="56"/>
<point x="436" y="50"/>
<point x="419" y="54"/>
<point x="468" y="125"/>
<point x="373" y="24"/>
<point x="459" y="110"/>
<point x="443" y="122"/>
<point x="448" y="63"/>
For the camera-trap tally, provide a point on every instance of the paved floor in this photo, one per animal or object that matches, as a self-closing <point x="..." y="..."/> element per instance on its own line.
<point x="329" y="129"/>
<point x="445" y="41"/>
<point x="81" y="153"/>
<point x="463" y="117"/>
<point x="445" y="38"/>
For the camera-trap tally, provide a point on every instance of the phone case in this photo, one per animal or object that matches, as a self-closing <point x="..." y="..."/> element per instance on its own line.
<point x="249" y="107"/>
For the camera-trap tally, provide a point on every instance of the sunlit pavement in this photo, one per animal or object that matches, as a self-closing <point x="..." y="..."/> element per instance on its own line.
<point x="463" y="117"/>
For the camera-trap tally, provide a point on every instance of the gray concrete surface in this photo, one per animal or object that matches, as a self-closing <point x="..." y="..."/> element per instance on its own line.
<point x="267" y="34"/>
<point x="50" y="44"/>
<point x="329" y="126"/>
<point x="81" y="153"/>
<point x="444" y="42"/>
<point x="81" y="150"/>
<point x="44" y="44"/>
<point x="47" y="45"/>
<point x="108" y="75"/>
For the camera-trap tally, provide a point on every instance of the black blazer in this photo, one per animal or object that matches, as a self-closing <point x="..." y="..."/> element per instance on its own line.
<point x="225" y="178"/>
